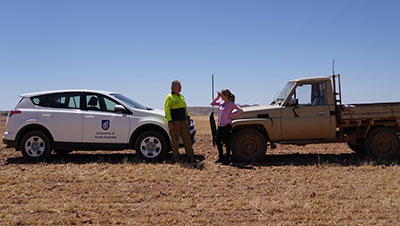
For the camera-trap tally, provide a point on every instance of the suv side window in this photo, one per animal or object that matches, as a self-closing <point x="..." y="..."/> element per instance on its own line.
<point x="40" y="100"/>
<point x="97" y="102"/>
<point x="59" y="100"/>
<point x="110" y="104"/>
<point x="92" y="102"/>
<point x="64" y="100"/>
<point x="74" y="102"/>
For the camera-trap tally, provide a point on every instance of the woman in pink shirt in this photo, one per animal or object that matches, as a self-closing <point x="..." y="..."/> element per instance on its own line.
<point x="226" y="106"/>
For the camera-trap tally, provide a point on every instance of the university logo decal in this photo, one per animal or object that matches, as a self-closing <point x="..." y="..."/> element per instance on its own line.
<point x="105" y="124"/>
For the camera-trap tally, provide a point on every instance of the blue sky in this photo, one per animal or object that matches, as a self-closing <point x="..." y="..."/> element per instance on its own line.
<point x="252" y="47"/>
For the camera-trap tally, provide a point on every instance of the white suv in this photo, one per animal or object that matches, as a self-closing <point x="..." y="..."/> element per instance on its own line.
<point x="69" y="120"/>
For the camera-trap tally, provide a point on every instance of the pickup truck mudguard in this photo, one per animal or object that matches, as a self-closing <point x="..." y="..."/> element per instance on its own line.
<point x="267" y="126"/>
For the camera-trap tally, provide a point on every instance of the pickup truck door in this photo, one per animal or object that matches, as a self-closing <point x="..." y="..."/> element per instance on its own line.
<point x="101" y="124"/>
<point x="309" y="118"/>
<point x="311" y="122"/>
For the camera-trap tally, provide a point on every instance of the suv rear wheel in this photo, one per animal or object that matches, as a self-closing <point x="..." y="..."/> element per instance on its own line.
<point x="151" y="145"/>
<point x="35" y="146"/>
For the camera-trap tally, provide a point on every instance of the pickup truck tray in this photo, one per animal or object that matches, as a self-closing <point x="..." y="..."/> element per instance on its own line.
<point x="371" y="111"/>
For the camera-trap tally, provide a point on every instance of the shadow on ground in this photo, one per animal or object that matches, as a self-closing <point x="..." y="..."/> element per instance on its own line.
<point x="351" y="159"/>
<point x="347" y="159"/>
<point x="111" y="158"/>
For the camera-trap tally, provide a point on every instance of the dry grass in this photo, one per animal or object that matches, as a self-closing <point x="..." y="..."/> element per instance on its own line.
<point x="202" y="124"/>
<point x="307" y="188"/>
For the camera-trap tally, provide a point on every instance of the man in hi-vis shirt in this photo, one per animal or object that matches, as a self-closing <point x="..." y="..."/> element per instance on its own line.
<point x="178" y="120"/>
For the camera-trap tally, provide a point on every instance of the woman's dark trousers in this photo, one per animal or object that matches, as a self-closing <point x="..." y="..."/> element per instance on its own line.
<point x="223" y="136"/>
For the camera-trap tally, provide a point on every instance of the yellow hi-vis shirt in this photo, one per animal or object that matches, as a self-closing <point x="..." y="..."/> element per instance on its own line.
<point x="175" y="108"/>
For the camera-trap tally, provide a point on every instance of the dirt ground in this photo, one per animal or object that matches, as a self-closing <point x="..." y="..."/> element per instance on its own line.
<point x="323" y="184"/>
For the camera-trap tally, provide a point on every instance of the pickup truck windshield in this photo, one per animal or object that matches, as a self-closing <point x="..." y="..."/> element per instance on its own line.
<point x="129" y="102"/>
<point x="283" y="94"/>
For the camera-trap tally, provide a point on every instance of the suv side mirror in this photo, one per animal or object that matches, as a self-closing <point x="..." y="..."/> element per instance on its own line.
<point x="119" y="109"/>
<point x="293" y="102"/>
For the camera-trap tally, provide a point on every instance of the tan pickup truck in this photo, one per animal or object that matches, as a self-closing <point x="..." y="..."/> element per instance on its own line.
<point x="310" y="110"/>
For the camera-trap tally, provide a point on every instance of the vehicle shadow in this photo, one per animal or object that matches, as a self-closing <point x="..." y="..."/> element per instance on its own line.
<point x="111" y="158"/>
<point x="348" y="159"/>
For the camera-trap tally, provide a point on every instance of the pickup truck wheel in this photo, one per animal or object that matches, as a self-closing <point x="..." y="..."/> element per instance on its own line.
<point x="357" y="148"/>
<point x="383" y="143"/>
<point x="151" y="145"/>
<point x="249" y="145"/>
<point x="35" y="146"/>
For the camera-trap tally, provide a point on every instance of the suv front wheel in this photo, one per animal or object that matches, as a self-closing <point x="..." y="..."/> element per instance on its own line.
<point x="151" y="145"/>
<point x="35" y="146"/>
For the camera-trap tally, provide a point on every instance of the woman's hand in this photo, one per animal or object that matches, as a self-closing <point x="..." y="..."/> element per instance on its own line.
<point x="219" y="94"/>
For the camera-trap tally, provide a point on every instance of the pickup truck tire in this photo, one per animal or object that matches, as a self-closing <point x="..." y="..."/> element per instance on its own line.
<point x="35" y="146"/>
<point x="249" y="145"/>
<point x="357" y="148"/>
<point x="151" y="145"/>
<point x="383" y="143"/>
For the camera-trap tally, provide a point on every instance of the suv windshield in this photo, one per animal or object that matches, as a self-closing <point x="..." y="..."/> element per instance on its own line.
<point x="281" y="97"/>
<point x="129" y="102"/>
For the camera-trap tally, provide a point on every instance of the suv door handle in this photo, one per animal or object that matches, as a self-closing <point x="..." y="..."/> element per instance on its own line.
<point x="321" y="113"/>
<point x="90" y="117"/>
<point x="47" y="115"/>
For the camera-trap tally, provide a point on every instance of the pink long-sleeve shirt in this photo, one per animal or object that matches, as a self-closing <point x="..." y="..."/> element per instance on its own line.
<point x="225" y="110"/>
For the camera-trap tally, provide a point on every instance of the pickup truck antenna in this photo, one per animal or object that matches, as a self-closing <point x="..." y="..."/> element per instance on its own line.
<point x="212" y="120"/>
<point x="212" y="85"/>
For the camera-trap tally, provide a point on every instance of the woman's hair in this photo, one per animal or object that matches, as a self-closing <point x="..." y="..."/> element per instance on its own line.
<point x="229" y="94"/>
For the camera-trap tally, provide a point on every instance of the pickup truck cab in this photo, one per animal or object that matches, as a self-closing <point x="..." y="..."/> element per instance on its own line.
<point x="67" y="120"/>
<point x="310" y="110"/>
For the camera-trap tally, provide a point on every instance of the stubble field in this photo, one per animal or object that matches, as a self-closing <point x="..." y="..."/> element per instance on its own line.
<point x="322" y="184"/>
